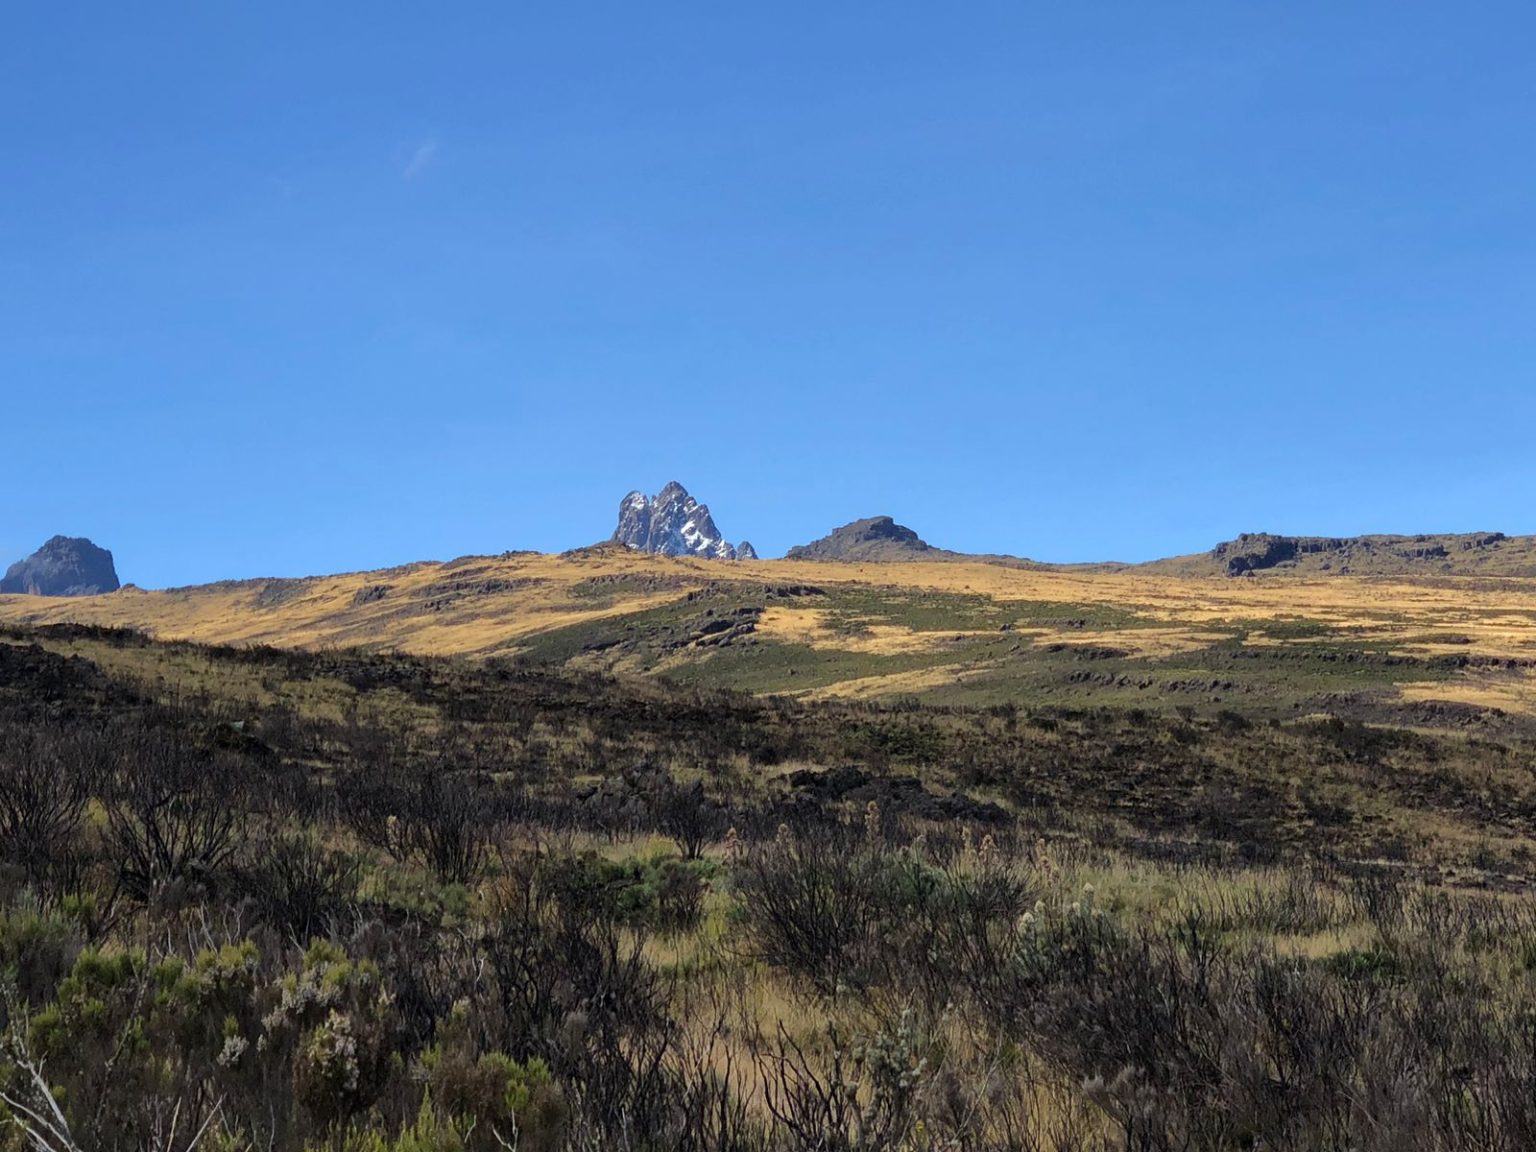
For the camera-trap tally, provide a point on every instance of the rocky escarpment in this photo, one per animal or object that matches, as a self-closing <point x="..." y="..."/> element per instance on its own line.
<point x="1258" y="552"/>
<point x="673" y="523"/>
<point x="65" y="566"/>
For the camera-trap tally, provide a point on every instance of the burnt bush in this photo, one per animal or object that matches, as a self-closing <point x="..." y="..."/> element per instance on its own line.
<point x="442" y="819"/>
<point x="48" y="776"/>
<point x="1186" y="1043"/>
<point x="446" y="824"/>
<point x="685" y="813"/>
<point x="575" y="991"/>
<point x="845" y="910"/>
<point x="175" y="811"/>
<point x="810" y="907"/>
<point x="302" y="886"/>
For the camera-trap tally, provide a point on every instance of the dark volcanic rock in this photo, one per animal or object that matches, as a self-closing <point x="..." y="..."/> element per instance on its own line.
<point x="65" y="566"/>
<point x="877" y="538"/>
<point x="673" y="523"/>
<point x="1259" y="551"/>
<point x="1253" y="551"/>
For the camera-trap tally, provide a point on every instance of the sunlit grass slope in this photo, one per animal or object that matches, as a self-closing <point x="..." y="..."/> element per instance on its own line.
<point x="1434" y="650"/>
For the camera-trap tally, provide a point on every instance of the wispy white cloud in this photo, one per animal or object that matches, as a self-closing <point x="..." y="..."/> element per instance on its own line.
<point x="420" y="159"/>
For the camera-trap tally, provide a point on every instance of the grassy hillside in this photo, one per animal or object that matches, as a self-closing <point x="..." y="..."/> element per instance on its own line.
<point x="1428" y="651"/>
<point x="310" y="901"/>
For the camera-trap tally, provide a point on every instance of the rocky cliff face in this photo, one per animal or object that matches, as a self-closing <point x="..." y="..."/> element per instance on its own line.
<point x="673" y="523"/>
<point x="1260" y="551"/>
<point x="1436" y="554"/>
<point x="65" y="566"/>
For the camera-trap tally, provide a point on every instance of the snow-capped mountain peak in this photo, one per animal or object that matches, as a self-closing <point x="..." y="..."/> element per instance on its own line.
<point x="672" y="523"/>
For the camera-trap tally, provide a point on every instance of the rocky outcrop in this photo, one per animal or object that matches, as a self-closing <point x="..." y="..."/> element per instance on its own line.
<point x="876" y="539"/>
<point x="1254" y="551"/>
<point x="65" y="566"/>
<point x="673" y="523"/>
<point x="1449" y="554"/>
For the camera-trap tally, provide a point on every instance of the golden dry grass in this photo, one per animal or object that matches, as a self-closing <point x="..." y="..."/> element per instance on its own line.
<point x="1507" y="690"/>
<point x="813" y="628"/>
<point x="495" y="605"/>
<point x="893" y="684"/>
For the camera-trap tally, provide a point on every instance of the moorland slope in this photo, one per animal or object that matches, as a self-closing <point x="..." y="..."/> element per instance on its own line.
<point x="333" y="900"/>
<point x="1424" y="649"/>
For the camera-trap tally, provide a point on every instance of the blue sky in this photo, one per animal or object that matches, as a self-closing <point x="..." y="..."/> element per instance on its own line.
<point x="292" y="288"/>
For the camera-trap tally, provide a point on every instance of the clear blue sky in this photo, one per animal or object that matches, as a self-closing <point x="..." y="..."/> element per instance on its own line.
<point x="292" y="288"/>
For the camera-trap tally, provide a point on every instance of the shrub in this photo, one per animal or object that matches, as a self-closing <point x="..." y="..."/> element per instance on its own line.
<point x="846" y="913"/>
<point x="129" y="1039"/>
<point x="683" y="812"/>
<point x="174" y="813"/>
<point x="576" y="992"/>
<point x="47" y="777"/>
<point x="303" y="886"/>
<point x="336" y="1021"/>
<point x="810" y="907"/>
<point x="666" y="895"/>
<point x="506" y="1103"/>
<point x="37" y="950"/>
<point x="441" y="819"/>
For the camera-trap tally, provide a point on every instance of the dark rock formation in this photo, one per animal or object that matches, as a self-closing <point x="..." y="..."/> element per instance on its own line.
<point x="65" y="566"/>
<point x="673" y="523"/>
<point x="1261" y="551"/>
<point x="1253" y="551"/>
<point x="878" y="538"/>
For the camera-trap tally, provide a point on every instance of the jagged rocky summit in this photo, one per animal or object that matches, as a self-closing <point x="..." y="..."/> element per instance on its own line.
<point x="673" y="523"/>
<point x="65" y="566"/>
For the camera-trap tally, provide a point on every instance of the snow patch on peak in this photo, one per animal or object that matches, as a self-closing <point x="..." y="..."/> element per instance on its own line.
<point x="671" y="523"/>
